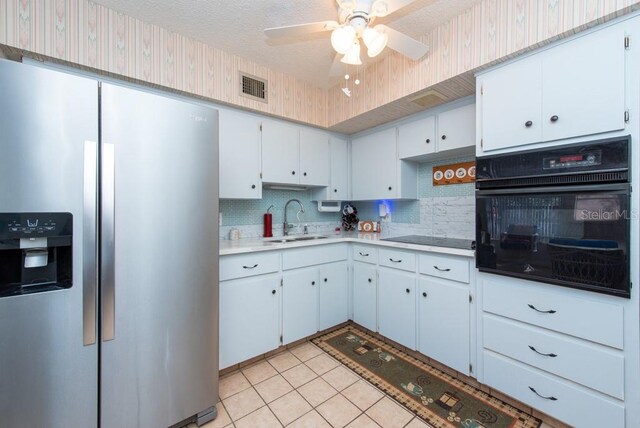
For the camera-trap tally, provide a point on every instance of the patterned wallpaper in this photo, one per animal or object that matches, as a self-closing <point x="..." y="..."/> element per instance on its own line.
<point x="90" y="35"/>
<point x="84" y="33"/>
<point x="483" y="35"/>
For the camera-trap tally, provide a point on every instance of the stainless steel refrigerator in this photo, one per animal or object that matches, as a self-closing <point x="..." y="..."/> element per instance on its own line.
<point x="108" y="254"/>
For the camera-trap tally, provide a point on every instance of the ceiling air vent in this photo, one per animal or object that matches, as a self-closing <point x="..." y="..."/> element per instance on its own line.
<point x="253" y="87"/>
<point x="430" y="98"/>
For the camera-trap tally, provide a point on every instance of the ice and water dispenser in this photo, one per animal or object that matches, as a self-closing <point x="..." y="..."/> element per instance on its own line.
<point x="35" y="252"/>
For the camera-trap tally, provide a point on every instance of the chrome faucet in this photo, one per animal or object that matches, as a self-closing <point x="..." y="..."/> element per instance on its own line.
<point x="286" y="226"/>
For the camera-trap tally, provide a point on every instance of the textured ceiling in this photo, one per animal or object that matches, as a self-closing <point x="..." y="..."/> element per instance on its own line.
<point x="236" y="26"/>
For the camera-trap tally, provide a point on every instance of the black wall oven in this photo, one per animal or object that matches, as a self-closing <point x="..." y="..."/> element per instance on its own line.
<point x="558" y="215"/>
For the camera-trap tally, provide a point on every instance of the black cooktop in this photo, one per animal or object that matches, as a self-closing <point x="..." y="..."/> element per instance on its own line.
<point x="464" y="244"/>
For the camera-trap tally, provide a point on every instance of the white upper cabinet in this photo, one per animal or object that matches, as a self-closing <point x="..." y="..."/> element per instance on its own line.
<point x="571" y="90"/>
<point x="293" y="155"/>
<point x="511" y="100"/>
<point x="239" y="156"/>
<point x="376" y="171"/>
<point x="453" y="129"/>
<point x="338" y="189"/>
<point x="314" y="158"/>
<point x="417" y="138"/>
<point x="457" y="128"/>
<point x="583" y="86"/>
<point x="279" y="153"/>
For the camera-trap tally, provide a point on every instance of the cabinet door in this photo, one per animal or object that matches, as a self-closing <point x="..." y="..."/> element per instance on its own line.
<point x="511" y="105"/>
<point x="249" y="318"/>
<point x="417" y="138"/>
<point x="314" y="158"/>
<point x="239" y="156"/>
<point x="339" y="190"/>
<point x="334" y="304"/>
<point x="364" y="295"/>
<point x="279" y="153"/>
<point x="457" y="128"/>
<point x="444" y="323"/>
<point x="397" y="306"/>
<point x="374" y="166"/>
<point x="299" y="304"/>
<point x="583" y="86"/>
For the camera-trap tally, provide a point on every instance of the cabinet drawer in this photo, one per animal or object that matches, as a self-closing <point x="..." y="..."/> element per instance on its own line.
<point x="404" y="260"/>
<point x="443" y="266"/>
<point x="555" y="309"/>
<point x="365" y="254"/>
<point x="582" y="362"/>
<point x="243" y="265"/>
<point x="309" y="256"/>
<point x="572" y="404"/>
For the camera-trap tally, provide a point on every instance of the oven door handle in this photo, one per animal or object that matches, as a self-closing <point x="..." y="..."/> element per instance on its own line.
<point x="620" y="187"/>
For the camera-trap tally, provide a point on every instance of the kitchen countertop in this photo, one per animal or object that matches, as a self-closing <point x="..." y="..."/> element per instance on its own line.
<point x="242" y="246"/>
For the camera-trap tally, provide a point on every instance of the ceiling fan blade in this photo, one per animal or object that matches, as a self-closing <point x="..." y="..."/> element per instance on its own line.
<point x="404" y="44"/>
<point x="301" y="29"/>
<point x="387" y="7"/>
<point x="337" y="67"/>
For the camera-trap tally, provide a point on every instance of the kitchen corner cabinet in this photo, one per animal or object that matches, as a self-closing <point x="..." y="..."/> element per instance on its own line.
<point x="291" y="155"/>
<point x="307" y="299"/>
<point x="376" y="171"/>
<point x="570" y="90"/>
<point x="365" y="295"/>
<point x="338" y="189"/>
<point x="449" y="130"/>
<point x="239" y="146"/>
<point x="249" y="318"/>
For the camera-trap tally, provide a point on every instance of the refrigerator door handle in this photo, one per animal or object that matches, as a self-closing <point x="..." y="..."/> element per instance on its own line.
<point x="89" y="244"/>
<point x="108" y="280"/>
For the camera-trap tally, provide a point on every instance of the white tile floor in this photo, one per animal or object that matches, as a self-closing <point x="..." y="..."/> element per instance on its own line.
<point x="306" y="388"/>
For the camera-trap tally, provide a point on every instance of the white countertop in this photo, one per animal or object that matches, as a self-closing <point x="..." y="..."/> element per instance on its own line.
<point x="243" y="246"/>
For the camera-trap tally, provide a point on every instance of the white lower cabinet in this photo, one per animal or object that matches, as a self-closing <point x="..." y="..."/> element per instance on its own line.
<point x="334" y="297"/>
<point x="249" y="318"/>
<point x="443" y="323"/>
<point x="365" y="295"/>
<point x="397" y="306"/>
<point x="299" y="304"/>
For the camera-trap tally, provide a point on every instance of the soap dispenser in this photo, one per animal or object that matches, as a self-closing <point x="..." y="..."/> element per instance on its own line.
<point x="268" y="222"/>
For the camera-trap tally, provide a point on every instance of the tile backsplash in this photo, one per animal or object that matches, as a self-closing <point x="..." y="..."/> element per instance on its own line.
<point x="439" y="211"/>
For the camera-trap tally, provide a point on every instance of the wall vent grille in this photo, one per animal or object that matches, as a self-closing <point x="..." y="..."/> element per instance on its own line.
<point x="253" y="87"/>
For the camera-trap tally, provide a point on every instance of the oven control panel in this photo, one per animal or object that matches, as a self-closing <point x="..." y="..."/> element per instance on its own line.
<point x="577" y="160"/>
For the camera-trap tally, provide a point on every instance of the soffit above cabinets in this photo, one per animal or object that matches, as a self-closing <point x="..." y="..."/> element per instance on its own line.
<point x="237" y="27"/>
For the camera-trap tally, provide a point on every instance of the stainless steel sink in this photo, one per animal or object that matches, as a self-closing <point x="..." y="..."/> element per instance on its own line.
<point x="284" y="239"/>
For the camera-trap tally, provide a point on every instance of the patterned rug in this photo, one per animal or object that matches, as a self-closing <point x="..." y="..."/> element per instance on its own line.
<point x="438" y="398"/>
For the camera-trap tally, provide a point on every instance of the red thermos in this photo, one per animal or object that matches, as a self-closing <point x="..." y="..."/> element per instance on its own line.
<point x="268" y="222"/>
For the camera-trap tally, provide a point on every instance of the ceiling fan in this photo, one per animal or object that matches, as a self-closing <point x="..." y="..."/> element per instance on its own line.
<point x="355" y="23"/>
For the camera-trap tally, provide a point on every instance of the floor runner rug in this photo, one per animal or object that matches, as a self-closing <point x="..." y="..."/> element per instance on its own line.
<point x="431" y="394"/>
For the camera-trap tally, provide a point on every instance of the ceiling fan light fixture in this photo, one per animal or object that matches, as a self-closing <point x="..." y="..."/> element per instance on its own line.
<point x="352" y="57"/>
<point x="380" y="8"/>
<point x="375" y="41"/>
<point x="346" y="4"/>
<point x="342" y="39"/>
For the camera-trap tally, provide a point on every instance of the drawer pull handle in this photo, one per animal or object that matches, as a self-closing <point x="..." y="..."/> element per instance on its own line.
<point x="542" y="353"/>
<point x="424" y="294"/>
<point x="250" y="267"/>
<point x="313" y="283"/>
<point x="408" y="291"/>
<point x="369" y="279"/>
<point x="552" y="398"/>
<point x="273" y="291"/>
<point x="542" y="312"/>
<point x="442" y="270"/>
<point x="395" y="261"/>
<point x="363" y="255"/>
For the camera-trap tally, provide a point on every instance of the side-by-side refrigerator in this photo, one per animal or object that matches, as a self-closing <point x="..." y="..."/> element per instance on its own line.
<point x="108" y="254"/>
